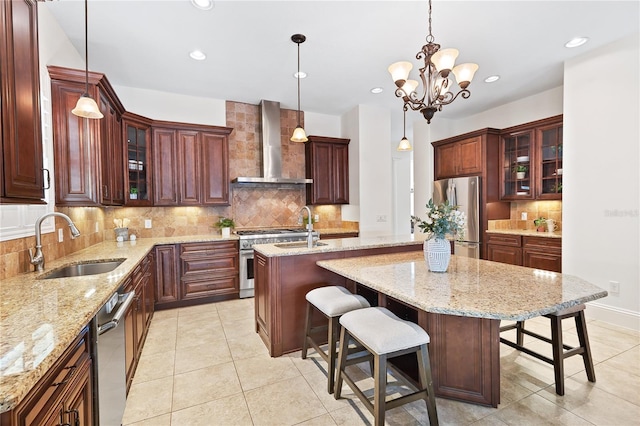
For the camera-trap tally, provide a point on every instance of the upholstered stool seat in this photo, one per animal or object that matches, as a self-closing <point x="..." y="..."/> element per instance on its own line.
<point x="332" y="302"/>
<point x="557" y="344"/>
<point x="385" y="336"/>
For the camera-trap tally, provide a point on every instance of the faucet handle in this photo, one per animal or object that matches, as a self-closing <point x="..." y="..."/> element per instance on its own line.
<point x="31" y="256"/>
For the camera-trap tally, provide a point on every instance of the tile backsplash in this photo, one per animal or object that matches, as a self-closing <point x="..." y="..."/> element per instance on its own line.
<point x="252" y="206"/>
<point x="534" y="210"/>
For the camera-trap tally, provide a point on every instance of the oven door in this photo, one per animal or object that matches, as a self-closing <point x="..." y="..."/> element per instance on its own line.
<point x="246" y="273"/>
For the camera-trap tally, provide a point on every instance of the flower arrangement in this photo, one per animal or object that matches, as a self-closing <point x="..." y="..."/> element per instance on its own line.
<point x="225" y="222"/>
<point x="441" y="220"/>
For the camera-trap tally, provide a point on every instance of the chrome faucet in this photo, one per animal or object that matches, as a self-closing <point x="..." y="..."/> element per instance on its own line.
<point x="37" y="259"/>
<point x="309" y="225"/>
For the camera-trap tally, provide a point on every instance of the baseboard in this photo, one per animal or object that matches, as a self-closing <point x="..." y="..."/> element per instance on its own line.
<point x="616" y="316"/>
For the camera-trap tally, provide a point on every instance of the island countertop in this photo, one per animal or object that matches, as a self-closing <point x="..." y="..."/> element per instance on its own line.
<point x="39" y="318"/>
<point x="341" y="244"/>
<point x="470" y="287"/>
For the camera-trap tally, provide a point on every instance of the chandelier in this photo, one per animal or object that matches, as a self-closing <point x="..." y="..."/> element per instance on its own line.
<point x="435" y="76"/>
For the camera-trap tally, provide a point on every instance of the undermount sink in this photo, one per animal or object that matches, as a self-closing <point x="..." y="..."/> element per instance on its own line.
<point x="298" y="244"/>
<point x="82" y="269"/>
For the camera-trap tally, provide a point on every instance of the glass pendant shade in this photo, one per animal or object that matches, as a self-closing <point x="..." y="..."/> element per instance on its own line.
<point x="299" y="135"/>
<point x="400" y="72"/>
<point x="410" y="86"/>
<point x="404" y="144"/>
<point x="87" y="107"/>
<point x="444" y="59"/>
<point x="464" y="74"/>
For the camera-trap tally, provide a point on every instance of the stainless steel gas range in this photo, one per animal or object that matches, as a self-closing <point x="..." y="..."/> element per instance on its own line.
<point x="248" y="238"/>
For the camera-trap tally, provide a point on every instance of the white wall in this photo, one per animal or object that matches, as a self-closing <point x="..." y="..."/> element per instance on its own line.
<point x="601" y="232"/>
<point x="401" y="185"/>
<point x="322" y="124"/>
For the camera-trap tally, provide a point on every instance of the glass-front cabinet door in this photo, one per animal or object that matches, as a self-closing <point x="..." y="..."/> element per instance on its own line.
<point x="549" y="185"/>
<point x="138" y="144"/>
<point x="518" y="157"/>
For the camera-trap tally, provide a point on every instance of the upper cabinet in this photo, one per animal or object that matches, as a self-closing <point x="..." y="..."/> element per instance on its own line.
<point x="327" y="163"/>
<point x="137" y="147"/>
<point x="190" y="164"/>
<point x="89" y="158"/>
<point x="22" y="178"/>
<point x="531" y="160"/>
<point x="459" y="158"/>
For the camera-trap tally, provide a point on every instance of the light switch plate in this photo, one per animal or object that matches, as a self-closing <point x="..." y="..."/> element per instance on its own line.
<point x="147" y="223"/>
<point x="60" y="235"/>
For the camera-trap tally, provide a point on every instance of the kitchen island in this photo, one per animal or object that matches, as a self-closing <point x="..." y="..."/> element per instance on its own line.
<point x="462" y="309"/>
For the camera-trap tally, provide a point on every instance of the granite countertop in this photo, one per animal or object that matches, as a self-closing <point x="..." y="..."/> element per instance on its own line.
<point x="526" y="233"/>
<point x="340" y="244"/>
<point x="470" y="287"/>
<point x="335" y="231"/>
<point x="40" y="318"/>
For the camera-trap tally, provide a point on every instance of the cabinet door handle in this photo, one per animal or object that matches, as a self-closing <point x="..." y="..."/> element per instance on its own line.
<point x="75" y="418"/>
<point x="48" y="179"/>
<point x="68" y="377"/>
<point x="105" y="191"/>
<point x="62" y="423"/>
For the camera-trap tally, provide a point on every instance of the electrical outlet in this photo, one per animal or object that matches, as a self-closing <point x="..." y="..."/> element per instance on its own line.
<point x="316" y="218"/>
<point x="381" y="218"/>
<point x="614" y="287"/>
<point x="147" y="223"/>
<point x="97" y="227"/>
<point x="60" y="235"/>
<point x="523" y="216"/>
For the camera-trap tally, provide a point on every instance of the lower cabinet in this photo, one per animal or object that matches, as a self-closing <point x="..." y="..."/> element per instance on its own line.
<point x="193" y="273"/>
<point x="533" y="252"/>
<point x="138" y="316"/>
<point x="63" y="395"/>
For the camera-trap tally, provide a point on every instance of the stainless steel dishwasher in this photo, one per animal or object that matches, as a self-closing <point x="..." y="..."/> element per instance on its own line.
<point x="112" y="380"/>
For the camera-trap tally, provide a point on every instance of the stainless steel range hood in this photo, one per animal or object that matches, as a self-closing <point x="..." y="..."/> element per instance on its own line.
<point x="271" y="149"/>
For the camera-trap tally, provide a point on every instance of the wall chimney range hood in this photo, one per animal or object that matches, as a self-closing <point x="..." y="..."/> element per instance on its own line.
<point x="271" y="145"/>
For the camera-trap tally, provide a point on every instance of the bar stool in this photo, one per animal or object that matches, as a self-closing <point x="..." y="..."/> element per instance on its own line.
<point x="558" y="347"/>
<point x="332" y="302"/>
<point x="386" y="336"/>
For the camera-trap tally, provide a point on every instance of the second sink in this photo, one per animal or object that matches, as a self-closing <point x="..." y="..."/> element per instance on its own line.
<point x="81" y="269"/>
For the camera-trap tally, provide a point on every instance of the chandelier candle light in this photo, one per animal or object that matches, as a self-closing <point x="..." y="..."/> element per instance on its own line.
<point x="435" y="77"/>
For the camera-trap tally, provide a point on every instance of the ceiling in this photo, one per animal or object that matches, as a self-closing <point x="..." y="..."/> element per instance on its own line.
<point x="350" y="44"/>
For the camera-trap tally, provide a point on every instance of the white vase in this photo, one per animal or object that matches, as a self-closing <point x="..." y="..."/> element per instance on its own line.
<point x="437" y="254"/>
<point x="226" y="232"/>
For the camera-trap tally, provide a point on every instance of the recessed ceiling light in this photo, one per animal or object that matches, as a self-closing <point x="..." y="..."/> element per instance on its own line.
<point x="198" y="55"/>
<point x="203" y="4"/>
<point x="492" y="78"/>
<point x="576" y="41"/>
<point x="300" y="74"/>
<point x="377" y="90"/>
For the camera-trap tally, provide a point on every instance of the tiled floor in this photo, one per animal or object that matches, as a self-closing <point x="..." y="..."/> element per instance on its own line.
<point x="204" y="365"/>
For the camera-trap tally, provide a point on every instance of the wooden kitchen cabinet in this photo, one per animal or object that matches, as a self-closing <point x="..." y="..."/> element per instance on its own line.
<point x="542" y="253"/>
<point x="504" y="248"/>
<point x="327" y="163"/>
<point x="63" y="395"/>
<point x="191" y="164"/>
<point x="22" y="177"/>
<point x="531" y="161"/>
<point x="458" y="158"/>
<point x="136" y="134"/>
<point x="475" y="154"/>
<point x="88" y="154"/>
<point x="195" y="273"/>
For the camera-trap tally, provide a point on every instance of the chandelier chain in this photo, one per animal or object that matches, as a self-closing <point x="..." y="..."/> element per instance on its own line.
<point x="430" y="37"/>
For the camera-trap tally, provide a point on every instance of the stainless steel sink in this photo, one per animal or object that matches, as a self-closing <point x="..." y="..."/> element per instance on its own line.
<point x="298" y="244"/>
<point x="83" y="269"/>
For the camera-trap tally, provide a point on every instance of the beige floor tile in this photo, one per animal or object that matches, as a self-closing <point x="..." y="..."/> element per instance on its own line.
<point x="629" y="331"/>
<point x="572" y="365"/>
<point x="148" y="399"/>
<point x="206" y="310"/>
<point x="159" y="344"/>
<point x="247" y="346"/>
<point x="240" y="327"/>
<point x="235" y="314"/>
<point x="616" y="382"/>
<point x="622" y="340"/>
<point x="260" y="371"/>
<point x="161" y="327"/>
<point x="526" y="371"/>
<point x="317" y="380"/>
<point x="227" y="411"/>
<point x="492" y="420"/>
<point x="450" y="412"/>
<point x="286" y="402"/>
<point x="628" y="361"/>
<point x="199" y="334"/>
<point x="163" y="420"/>
<point x="208" y="322"/>
<point x="204" y="385"/>
<point x="155" y="366"/>
<point x="165" y="313"/>
<point x="588" y="401"/>
<point x="311" y="363"/>
<point x="324" y="420"/>
<point x="536" y="410"/>
<point x="197" y="357"/>
<point x="353" y="414"/>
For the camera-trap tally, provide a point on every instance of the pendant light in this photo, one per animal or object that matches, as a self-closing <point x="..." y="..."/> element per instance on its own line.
<point x="86" y="106"/>
<point x="299" y="134"/>
<point x="404" y="144"/>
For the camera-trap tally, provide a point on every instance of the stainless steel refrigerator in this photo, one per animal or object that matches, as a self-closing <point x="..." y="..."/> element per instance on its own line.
<point x="464" y="193"/>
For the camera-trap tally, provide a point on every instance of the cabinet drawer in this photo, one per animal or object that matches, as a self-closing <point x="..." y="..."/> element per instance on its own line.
<point x="542" y="243"/>
<point x="213" y="265"/>
<point x="504" y="254"/>
<point x="205" y="285"/>
<point x="208" y="248"/>
<point x="504" y="239"/>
